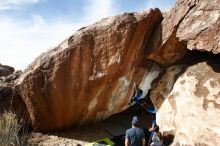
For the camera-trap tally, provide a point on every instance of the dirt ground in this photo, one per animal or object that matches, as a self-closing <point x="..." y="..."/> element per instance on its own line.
<point x="112" y="127"/>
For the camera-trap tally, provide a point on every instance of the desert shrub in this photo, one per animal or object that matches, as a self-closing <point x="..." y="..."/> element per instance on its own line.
<point x="11" y="132"/>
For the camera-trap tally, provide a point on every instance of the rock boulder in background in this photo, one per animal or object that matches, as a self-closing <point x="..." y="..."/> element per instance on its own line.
<point x="7" y="79"/>
<point x="6" y="70"/>
<point x="190" y="24"/>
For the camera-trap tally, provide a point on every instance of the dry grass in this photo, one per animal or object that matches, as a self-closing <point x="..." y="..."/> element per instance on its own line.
<point x="11" y="133"/>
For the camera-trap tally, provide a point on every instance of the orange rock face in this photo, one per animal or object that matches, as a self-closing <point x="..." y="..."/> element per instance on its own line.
<point x="90" y="75"/>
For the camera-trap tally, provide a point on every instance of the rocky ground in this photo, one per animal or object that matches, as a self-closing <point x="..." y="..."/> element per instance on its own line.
<point x="83" y="135"/>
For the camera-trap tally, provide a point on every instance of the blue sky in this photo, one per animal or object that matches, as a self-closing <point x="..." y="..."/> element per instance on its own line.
<point x="31" y="27"/>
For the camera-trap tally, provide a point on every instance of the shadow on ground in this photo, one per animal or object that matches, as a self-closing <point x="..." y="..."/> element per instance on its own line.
<point x="113" y="128"/>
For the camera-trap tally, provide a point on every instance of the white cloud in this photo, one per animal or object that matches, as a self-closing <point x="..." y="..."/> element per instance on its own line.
<point x="98" y="9"/>
<point x="22" y="42"/>
<point x="10" y="4"/>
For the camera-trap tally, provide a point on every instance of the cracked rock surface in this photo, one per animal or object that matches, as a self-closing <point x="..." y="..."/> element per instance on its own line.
<point x="197" y="22"/>
<point x="192" y="109"/>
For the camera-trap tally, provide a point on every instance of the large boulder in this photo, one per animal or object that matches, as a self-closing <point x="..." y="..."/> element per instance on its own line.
<point x="192" y="109"/>
<point x="7" y="79"/>
<point x="91" y="74"/>
<point x="192" y="25"/>
<point x="6" y="70"/>
<point x="200" y="25"/>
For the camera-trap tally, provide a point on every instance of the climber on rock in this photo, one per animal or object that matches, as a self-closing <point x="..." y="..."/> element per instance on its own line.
<point x="137" y="96"/>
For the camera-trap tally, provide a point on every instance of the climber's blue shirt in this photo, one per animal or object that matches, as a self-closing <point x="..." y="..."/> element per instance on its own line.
<point x="137" y="97"/>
